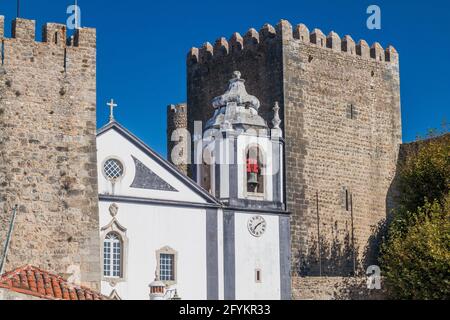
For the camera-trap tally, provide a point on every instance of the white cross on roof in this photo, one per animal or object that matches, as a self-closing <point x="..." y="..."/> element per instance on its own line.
<point x="111" y="105"/>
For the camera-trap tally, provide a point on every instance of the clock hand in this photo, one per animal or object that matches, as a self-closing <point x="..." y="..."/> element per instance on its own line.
<point x="254" y="230"/>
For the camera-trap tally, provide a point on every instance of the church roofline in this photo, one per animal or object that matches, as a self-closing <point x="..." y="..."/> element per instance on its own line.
<point x="158" y="158"/>
<point x="137" y="200"/>
<point x="159" y="202"/>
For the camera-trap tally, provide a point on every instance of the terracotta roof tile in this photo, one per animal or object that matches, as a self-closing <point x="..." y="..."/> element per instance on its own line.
<point x="35" y="282"/>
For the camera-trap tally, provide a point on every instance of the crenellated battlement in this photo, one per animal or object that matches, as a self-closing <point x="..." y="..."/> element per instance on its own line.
<point x="254" y="40"/>
<point x="48" y="129"/>
<point x="52" y="33"/>
<point x="339" y="102"/>
<point x="177" y="108"/>
<point x="176" y="126"/>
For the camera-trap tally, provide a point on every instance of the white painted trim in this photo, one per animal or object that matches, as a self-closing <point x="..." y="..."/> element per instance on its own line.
<point x="115" y="227"/>
<point x="122" y="163"/>
<point x="167" y="250"/>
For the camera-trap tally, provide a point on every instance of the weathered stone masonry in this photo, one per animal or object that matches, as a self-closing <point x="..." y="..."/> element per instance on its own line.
<point x="48" y="149"/>
<point x="177" y="136"/>
<point x="342" y="124"/>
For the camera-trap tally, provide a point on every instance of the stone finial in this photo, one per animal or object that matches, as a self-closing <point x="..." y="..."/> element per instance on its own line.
<point x="236" y="42"/>
<point x="377" y="52"/>
<point x="348" y="45"/>
<point x="363" y="49"/>
<point x="221" y="47"/>
<point x="318" y="38"/>
<point x="276" y="116"/>
<point x="251" y="39"/>
<point x="206" y="52"/>
<point x="391" y="54"/>
<point x="301" y="32"/>
<point x="235" y="109"/>
<point x="236" y="93"/>
<point x="334" y="41"/>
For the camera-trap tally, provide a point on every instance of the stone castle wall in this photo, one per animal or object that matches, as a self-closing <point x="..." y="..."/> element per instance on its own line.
<point x="335" y="288"/>
<point x="340" y="106"/>
<point x="343" y="133"/>
<point x="177" y="136"/>
<point x="48" y="149"/>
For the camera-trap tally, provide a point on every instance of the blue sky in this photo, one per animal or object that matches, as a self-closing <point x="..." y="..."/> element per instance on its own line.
<point x="142" y="47"/>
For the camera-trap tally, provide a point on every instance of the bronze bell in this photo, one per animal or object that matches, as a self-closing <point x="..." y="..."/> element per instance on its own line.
<point x="253" y="179"/>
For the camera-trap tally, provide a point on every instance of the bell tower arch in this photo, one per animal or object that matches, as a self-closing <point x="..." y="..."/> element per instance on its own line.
<point x="242" y="157"/>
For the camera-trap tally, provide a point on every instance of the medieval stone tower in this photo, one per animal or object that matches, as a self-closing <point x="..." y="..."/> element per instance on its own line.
<point x="340" y="104"/>
<point x="176" y="128"/>
<point x="48" y="149"/>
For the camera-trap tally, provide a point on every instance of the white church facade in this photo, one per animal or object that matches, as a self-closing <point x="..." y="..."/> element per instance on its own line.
<point x="224" y="236"/>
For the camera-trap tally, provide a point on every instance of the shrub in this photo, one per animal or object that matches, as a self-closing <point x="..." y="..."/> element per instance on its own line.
<point x="415" y="256"/>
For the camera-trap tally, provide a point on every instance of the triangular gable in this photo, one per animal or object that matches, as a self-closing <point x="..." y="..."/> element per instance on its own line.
<point x="145" y="178"/>
<point x="147" y="175"/>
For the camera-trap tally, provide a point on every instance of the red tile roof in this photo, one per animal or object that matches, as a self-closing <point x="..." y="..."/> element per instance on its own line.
<point x="38" y="283"/>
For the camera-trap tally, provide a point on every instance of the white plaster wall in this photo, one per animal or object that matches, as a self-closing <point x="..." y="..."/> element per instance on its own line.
<point x="224" y="181"/>
<point x="257" y="253"/>
<point x="113" y="145"/>
<point x="150" y="228"/>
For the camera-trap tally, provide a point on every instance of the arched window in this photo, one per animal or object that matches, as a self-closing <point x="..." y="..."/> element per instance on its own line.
<point x="255" y="178"/>
<point x="112" y="256"/>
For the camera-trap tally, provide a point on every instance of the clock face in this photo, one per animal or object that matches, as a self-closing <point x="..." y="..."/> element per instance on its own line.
<point x="257" y="226"/>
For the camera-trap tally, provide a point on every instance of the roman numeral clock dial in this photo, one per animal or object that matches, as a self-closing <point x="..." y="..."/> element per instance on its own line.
<point x="257" y="226"/>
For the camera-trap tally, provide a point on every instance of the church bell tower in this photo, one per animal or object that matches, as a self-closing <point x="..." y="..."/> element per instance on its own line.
<point x="241" y="158"/>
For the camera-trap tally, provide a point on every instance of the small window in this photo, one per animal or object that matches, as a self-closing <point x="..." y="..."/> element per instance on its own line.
<point x="351" y="112"/>
<point x="166" y="267"/>
<point x="113" y="169"/>
<point x="347" y="203"/>
<point x="258" y="275"/>
<point x="112" y="256"/>
<point x="348" y="200"/>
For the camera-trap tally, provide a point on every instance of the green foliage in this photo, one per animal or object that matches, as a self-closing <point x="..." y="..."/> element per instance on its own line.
<point x="415" y="258"/>
<point x="425" y="175"/>
<point x="416" y="264"/>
